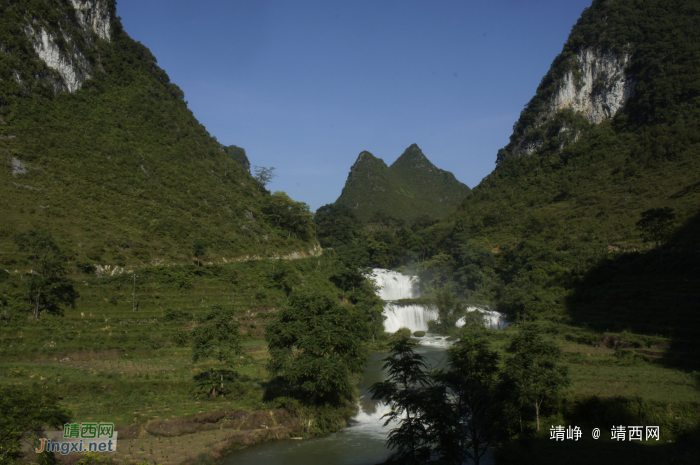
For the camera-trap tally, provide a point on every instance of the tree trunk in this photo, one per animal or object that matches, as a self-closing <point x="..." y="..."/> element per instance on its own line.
<point x="537" y="414"/>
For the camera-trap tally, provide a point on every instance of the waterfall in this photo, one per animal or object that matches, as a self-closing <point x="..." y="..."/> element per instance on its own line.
<point x="394" y="286"/>
<point x="492" y="320"/>
<point x="413" y="317"/>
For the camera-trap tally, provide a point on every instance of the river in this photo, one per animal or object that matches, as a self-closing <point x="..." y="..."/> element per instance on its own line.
<point x="364" y="440"/>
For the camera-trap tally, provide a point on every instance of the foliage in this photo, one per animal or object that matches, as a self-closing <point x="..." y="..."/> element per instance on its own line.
<point x="238" y="154"/>
<point x="263" y="175"/>
<point x="404" y="389"/>
<point x="474" y="417"/>
<point x="449" y="311"/>
<point x="48" y="288"/>
<point x="315" y="346"/>
<point x="533" y="369"/>
<point x="656" y="224"/>
<point x="23" y="413"/>
<point x="199" y="248"/>
<point x="288" y="216"/>
<point x="216" y="336"/>
<point x="412" y="185"/>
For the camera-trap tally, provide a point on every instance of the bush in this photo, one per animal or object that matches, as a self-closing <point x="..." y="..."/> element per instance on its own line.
<point x="419" y="333"/>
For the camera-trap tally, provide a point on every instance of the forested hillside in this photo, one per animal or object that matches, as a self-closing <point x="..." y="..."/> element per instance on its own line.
<point x="591" y="214"/>
<point x="99" y="147"/>
<point x="410" y="187"/>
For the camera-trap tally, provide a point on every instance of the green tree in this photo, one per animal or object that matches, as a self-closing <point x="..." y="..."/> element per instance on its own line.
<point x="449" y="310"/>
<point x="472" y="415"/>
<point x="216" y="337"/>
<point x="533" y="369"/>
<point x="656" y="224"/>
<point x="291" y="217"/>
<point x="199" y="248"/>
<point x="48" y="288"/>
<point x="23" y="413"/>
<point x="315" y="346"/>
<point x="405" y="390"/>
<point x="263" y="175"/>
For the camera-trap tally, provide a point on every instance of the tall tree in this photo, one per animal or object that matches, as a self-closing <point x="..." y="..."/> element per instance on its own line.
<point x="315" y="346"/>
<point x="533" y="367"/>
<point x="263" y="175"/>
<point x="405" y="390"/>
<point x="472" y="416"/>
<point x="48" y="288"/>
<point x="216" y="336"/>
<point x="23" y="412"/>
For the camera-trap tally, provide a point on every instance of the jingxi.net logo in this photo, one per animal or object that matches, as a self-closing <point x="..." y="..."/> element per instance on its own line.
<point x="81" y="437"/>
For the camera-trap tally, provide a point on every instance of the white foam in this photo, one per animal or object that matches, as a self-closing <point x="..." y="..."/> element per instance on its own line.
<point x="413" y="317"/>
<point x="492" y="319"/>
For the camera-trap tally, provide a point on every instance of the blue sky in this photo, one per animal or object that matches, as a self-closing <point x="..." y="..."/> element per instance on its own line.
<point x="305" y="86"/>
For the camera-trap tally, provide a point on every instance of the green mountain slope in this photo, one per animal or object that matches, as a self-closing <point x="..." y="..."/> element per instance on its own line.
<point x="613" y="131"/>
<point x="410" y="187"/>
<point x="102" y="150"/>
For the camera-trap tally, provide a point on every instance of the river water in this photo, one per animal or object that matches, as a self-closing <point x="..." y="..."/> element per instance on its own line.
<point x="364" y="440"/>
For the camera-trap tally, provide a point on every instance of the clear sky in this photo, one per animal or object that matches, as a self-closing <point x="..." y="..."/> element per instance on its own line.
<point x="305" y="86"/>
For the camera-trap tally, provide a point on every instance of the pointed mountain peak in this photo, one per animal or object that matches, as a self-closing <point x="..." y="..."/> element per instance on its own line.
<point x="365" y="156"/>
<point x="413" y="157"/>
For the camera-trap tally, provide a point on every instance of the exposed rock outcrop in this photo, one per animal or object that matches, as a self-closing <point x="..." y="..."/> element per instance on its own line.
<point x="601" y="89"/>
<point x="93" y="19"/>
<point x="597" y="87"/>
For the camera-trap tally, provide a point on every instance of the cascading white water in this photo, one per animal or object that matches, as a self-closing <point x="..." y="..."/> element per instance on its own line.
<point x="413" y="317"/>
<point x="395" y="286"/>
<point x="492" y="319"/>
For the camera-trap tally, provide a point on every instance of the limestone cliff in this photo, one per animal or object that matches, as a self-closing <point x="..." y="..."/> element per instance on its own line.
<point x="596" y="85"/>
<point x="64" y="43"/>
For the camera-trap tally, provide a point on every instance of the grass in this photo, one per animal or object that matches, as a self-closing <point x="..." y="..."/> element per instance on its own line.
<point x="612" y="386"/>
<point x="111" y="363"/>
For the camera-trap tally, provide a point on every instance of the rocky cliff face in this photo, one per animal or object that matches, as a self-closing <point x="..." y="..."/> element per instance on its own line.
<point x="60" y="50"/>
<point x="596" y="86"/>
<point x="601" y="88"/>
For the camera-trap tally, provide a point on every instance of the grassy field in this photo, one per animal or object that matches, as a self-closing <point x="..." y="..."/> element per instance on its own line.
<point x="113" y="360"/>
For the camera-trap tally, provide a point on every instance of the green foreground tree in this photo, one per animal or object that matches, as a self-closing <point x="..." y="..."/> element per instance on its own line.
<point x="315" y="346"/>
<point x="472" y="414"/>
<point x="533" y="369"/>
<point x="405" y="389"/>
<point x="23" y="412"/>
<point x="216" y="337"/>
<point x="48" y="288"/>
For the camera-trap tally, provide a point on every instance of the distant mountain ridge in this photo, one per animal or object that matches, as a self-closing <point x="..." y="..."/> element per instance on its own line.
<point x="410" y="187"/>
